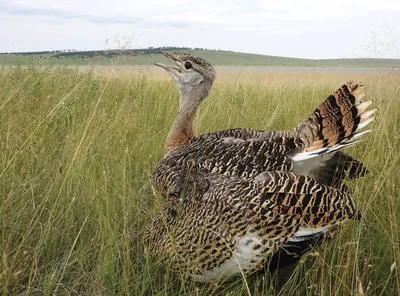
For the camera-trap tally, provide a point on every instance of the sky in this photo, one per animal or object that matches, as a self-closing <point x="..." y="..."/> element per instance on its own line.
<point x="292" y="28"/>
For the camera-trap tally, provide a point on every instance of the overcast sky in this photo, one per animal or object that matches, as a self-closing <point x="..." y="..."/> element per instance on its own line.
<point x="294" y="28"/>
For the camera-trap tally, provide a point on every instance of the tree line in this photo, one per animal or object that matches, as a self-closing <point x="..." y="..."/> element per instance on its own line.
<point x="72" y="53"/>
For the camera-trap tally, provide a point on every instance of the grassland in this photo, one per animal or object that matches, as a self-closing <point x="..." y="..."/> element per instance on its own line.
<point x="224" y="58"/>
<point x="77" y="153"/>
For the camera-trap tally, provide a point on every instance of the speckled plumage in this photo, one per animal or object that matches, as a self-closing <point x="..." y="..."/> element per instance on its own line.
<point x="234" y="197"/>
<point x="199" y="230"/>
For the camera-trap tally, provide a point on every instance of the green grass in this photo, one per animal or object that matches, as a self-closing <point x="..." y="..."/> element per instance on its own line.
<point x="226" y="58"/>
<point x="77" y="153"/>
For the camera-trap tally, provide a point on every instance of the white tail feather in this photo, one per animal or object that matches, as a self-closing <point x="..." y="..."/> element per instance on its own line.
<point x="367" y="114"/>
<point x="307" y="155"/>
<point x="365" y="123"/>
<point x="357" y="135"/>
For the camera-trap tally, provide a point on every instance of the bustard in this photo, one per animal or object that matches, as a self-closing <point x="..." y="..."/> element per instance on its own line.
<point x="237" y="197"/>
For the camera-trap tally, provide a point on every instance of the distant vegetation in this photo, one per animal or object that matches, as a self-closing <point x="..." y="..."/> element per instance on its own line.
<point x="140" y="57"/>
<point x="72" y="53"/>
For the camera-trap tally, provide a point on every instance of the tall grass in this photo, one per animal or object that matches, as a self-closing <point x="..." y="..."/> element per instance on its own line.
<point x="77" y="153"/>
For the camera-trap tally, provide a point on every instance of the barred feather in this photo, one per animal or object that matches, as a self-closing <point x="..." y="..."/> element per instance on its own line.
<point x="336" y="123"/>
<point x="219" y="216"/>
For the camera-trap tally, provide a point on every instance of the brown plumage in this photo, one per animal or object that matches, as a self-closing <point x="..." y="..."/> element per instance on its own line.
<point x="233" y="197"/>
<point x="219" y="219"/>
<point x="337" y="119"/>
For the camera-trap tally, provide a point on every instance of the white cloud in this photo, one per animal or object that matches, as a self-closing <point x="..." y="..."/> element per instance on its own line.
<point x="330" y="8"/>
<point x="102" y="8"/>
<point x="304" y="28"/>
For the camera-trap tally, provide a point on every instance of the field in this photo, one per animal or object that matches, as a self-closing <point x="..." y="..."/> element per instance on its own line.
<point x="223" y="58"/>
<point x="77" y="153"/>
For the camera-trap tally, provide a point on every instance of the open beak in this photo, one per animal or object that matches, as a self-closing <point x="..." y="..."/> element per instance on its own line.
<point x="174" y="70"/>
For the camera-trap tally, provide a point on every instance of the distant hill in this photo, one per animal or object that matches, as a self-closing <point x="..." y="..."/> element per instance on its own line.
<point x="140" y="57"/>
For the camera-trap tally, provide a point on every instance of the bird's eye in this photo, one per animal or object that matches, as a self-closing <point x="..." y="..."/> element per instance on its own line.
<point x="188" y="65"/>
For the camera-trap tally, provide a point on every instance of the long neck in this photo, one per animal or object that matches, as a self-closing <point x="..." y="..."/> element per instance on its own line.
<point x="182" y="128"/>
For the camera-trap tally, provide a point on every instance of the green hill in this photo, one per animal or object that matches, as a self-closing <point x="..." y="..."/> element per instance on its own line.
<point x="140" y="57"/>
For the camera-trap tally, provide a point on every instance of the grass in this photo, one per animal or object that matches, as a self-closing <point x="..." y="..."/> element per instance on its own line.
<point x="77" y="153"/>
<point x="225" y="58"/>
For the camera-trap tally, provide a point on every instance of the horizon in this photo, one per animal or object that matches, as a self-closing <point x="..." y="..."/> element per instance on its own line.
<point x="180" y="48"/>
<point x="308" y="29"/>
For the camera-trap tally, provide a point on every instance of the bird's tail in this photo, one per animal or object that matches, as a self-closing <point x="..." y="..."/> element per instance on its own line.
<point x="338" y="167"/>
<point x="336" y="123"/>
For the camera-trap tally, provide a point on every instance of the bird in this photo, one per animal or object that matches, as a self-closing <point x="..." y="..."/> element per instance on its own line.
<point x="236" y="198"/>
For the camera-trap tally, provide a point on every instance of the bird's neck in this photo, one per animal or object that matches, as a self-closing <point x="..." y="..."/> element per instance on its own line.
<point x="182" y="128"/>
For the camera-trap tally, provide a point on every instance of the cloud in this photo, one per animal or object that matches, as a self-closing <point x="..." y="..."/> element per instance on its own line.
<point x="66" y="15"/>
<point x="172" y="18"/>
<point x="63" y="14"/>
<point x="330" y="8"/>
<point x="304" y="28"/>
<point x="133" y="8"/>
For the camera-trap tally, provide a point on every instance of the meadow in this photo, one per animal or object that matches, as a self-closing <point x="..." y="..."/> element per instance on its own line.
<point x="216" y="57"/>
<point x="77" y="154"/>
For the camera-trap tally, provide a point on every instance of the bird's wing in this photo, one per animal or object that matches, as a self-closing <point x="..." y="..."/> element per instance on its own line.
<point x="283" y="207"/>
<point x="312" y="206"/>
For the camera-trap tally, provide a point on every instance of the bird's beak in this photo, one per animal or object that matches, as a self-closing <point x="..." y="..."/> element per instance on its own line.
<point x="173" y="70"/>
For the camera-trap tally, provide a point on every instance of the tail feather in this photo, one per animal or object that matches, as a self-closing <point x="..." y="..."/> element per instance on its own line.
<point x="336" y="123"/>
<point x="339" y="167"/>
<point x="331" y="169"/>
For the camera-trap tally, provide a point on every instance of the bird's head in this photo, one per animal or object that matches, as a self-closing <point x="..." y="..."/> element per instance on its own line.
<point x="192" y="75"/>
